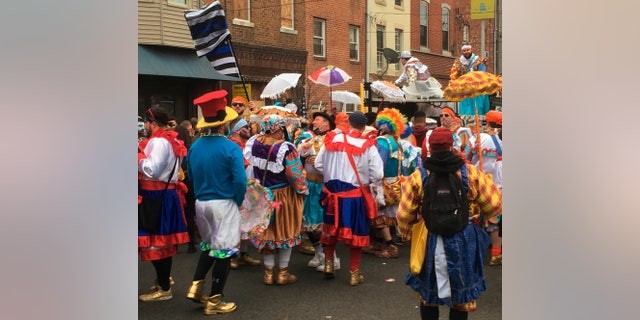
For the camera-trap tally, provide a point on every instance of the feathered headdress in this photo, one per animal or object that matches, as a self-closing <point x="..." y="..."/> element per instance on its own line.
<point x="392" y="121"/>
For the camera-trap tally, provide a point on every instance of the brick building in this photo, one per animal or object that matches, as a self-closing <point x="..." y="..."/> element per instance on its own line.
<point x="277" y="36"/>
<point x="269" y="38"/>
<point x="447" y="24"/>
<point x="170" y="74"/>
<point x="335" y="36"/>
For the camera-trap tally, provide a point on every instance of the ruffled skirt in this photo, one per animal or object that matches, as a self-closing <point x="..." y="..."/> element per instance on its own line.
<point x="173" y="228"/>
<point x="313" y="212"/>
<point x="352" y="226"/>
<point x="286" y="222"/>
<point x="464" y="252"/>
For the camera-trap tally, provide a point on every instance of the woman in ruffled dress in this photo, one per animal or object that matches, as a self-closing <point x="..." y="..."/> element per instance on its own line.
<point x="274" y="161"/>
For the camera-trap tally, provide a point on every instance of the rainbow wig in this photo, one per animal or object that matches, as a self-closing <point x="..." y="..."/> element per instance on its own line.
<point x="391" y="121"/>
<point x="406" y="133"/>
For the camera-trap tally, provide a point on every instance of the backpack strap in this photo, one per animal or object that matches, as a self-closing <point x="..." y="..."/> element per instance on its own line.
<point x="425" y="176"/>
<point x="495" y="142"/>
<point x="400" y="152"/>
<point x="465" y="178"/>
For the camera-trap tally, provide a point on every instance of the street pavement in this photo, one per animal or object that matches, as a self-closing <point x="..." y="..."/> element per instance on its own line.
<point x="383" y="295"/>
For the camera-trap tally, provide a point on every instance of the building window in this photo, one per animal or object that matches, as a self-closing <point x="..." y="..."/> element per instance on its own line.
<point x="241" y="9"/>
<point x="380" y="46"/>
<point x="399" y="3"/>
<point x="424" y="24"/>
<point x="318" y="37"/>
<point x="399" y="48"/>
<point x="465" y="33"/>
<point x="286" y="14"/>
<point x="354" y="43"/>
<point x="183" y="2"/>
<point x="445" y="29"/>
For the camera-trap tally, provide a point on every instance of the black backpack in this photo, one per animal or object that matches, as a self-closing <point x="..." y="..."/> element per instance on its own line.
<point x="445" y="205"/>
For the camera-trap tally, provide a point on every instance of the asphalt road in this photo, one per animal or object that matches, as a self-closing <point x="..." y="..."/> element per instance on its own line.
<point x="383" y="295"/>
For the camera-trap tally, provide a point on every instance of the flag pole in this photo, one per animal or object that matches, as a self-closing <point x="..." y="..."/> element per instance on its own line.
<point x="233" y="52"/>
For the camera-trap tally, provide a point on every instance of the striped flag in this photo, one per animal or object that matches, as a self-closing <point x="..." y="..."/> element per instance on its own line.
<point x="212" y="38"/>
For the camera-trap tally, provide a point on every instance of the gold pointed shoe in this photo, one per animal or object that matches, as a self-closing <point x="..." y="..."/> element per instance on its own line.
<point x="155" y="285"/>
<point x="195" y="292"/>
<point x="496" y="261"/>
<point x="306" y="248"/>
<point x="284" y="277"/>
<point x="268" y="276"/>
<point x="215" y="305"/>
<point x="356" y="278"/>
<point x="234" y="263"/>
<point x="247" y="259"/>
<point x="329" y="269"/>
<point x="156" y="295"/>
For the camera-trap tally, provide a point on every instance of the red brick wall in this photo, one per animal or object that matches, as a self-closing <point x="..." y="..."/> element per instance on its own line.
<point x="464" y="16"/>
<point x="265" y="15"/>
<point x="338" y="16"/>
<point x="460" y="14"/>
<point x="262" y="50"/>
<point x="439" y="65"/>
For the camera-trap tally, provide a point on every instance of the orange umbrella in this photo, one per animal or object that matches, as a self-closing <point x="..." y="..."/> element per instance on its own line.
<point x="470" y="85"/>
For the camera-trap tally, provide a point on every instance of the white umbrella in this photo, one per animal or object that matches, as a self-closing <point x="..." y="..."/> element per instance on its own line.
<point x="279" y="84"/>
<point x="345" y="97"/>
<point x="388" y="91"/>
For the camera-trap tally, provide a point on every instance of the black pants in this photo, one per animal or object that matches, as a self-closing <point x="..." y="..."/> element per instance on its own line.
<point x="190" y="212"/>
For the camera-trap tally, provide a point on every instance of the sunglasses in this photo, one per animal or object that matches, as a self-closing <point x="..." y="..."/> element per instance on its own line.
<point x="445" y="115"/>
<point x="237" y="104"/>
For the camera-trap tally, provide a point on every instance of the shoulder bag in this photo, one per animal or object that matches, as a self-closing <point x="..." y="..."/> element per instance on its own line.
<point x="150" y="210"/>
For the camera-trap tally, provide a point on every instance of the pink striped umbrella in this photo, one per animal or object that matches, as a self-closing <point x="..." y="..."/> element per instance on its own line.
<point x="329" y="76"/>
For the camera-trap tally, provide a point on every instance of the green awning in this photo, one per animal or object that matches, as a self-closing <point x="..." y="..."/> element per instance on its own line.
<point x="176" y="62"/>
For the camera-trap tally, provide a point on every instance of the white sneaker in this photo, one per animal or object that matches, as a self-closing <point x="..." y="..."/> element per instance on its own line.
<point x="336" y="265"/>
<point x="317" y="260"/>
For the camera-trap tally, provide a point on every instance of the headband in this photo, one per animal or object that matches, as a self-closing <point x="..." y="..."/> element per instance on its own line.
<point x="449" y="111"/>
<point x="466" y="46"/>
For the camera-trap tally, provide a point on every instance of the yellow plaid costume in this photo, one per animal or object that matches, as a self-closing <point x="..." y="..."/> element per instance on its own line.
<point x="485" y="199"/>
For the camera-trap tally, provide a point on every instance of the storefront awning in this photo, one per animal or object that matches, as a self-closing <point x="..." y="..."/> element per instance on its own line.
<point x="176" y="62"/>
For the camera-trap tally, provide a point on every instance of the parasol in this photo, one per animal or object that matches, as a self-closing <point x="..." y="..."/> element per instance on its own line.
<point x="471" y="85"/>
<point x="291" y="119"/>
<point x="329" y="76"/>
<point x="388" y="91"/>
<point x="256" y="210"/>
<point x="345" y="97"/>
<point x="279" y="84"/>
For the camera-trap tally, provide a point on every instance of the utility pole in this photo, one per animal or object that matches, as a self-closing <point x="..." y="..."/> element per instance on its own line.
<point x="366" y="44"/>
<point x="497" y="38"/>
